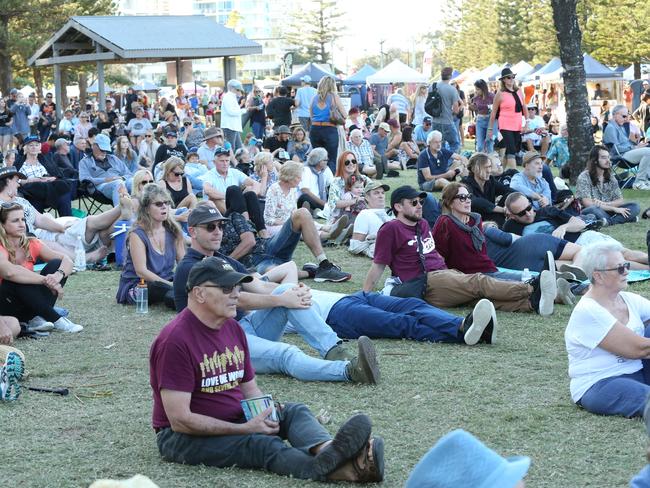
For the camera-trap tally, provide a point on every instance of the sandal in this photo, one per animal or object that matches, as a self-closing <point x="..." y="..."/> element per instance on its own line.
<point x="101" y="267"/>
<point x="371" y="466"/>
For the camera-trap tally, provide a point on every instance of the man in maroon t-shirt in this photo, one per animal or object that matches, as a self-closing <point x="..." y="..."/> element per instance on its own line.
<point x="200" y="371"/>
<point x="397" y="247"/>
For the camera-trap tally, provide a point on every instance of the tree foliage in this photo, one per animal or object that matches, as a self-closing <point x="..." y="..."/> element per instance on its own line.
<point x="313" y="29"/>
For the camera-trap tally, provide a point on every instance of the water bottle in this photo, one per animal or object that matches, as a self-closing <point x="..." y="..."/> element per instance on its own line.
<point x="79" y="255"/>
<point x="141" y="297"/>
<point x="525" y="275"/>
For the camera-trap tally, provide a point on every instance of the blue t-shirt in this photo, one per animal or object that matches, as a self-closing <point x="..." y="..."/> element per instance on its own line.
<point x="437" y="164"/>
<point x="420" y="135"/>
<point x="305" y="95"/>
<point x="379" y="143"/>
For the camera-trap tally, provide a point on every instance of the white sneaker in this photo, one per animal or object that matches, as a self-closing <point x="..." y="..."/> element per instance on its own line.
<point x="67" y="326"/>
<point x="39" y="324"/>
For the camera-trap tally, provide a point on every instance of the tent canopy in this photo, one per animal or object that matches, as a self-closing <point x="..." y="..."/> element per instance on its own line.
<point x="593" y="71"/>
<point x="396" y="72"/>
<point x="521" y="69"/>
<point x="359" y="78"/>
<point x="311" y="69"/>
<point x="486" y="72"/>
<point x="494" y="76"/>
<point x="145" y="86"/>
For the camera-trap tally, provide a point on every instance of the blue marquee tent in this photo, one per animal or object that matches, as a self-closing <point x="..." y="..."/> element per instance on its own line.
<point x="359" y="78"/>
<point x="310" y="69"/>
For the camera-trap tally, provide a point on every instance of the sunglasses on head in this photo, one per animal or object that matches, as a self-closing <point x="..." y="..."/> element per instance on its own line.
<point x="524" y="211"/>
<point x="227" y="290"/>
<point x="621" y="268"/>
<point x="212" y="226"/>
<point x="166" y="203"/>
<point x="348" y="162"/>
<point x="464" y="197"/>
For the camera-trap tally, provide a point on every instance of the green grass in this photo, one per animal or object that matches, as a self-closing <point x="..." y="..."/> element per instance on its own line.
<point x="513" y="395"/>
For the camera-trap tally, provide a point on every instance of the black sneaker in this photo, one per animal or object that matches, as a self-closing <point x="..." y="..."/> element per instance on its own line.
<point x="544" y="292"/>
<point x="311" y="269"/>
<point x="329" y="272"/>
<point x="478" y="321"/>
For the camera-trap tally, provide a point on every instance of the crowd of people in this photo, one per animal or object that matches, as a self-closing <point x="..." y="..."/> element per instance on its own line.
<point x="215" y="215"/>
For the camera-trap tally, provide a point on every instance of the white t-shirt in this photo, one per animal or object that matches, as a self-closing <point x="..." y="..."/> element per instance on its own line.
<point x="588" y="326"/>
<point x="370" y="220"/>
<point x="220" y="183"/>
<point x="310" y="180"/>
<point x="323" y="301"/>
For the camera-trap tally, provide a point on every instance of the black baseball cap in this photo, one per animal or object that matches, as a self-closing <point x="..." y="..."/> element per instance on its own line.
<point x="216" y="270"/>
<point x="204" y="214"/>
<point x="405" y="193"/>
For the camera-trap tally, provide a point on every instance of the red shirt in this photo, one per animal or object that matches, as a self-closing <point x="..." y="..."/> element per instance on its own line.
<point x="396" y="247"/>
<point x="456" y="247"/>
<point x="210" y="364"/>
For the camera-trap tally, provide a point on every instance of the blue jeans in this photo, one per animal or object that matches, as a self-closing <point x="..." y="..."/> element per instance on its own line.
<point x="258" y="130"/>
<point x="377" y="315"/>
<point x="264" y="329"/>
<point x="614" y="218"/>
<point x="624" y="395"/>
<point x="449" y="134"/>
<point x="305" y="122"/>
<point x="483" y="144"/>
<point x="547" y="174"/>
<point x="328" y="137"/>
<point x="279" y="249"/>
<point x="111" y="189"/>
<point x="505" y="275"/>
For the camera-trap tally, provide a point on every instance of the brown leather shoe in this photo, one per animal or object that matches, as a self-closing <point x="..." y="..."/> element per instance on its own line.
<point x="369" y="465"/>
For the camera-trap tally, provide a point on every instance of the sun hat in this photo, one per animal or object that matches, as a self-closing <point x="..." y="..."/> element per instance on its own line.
<point x="529" y="156"/>
<point x="283" y="129"/>
<point x="384" y="126"/>
<point x="211" y="132"/>
<point x="506" y="72"/>
<point x="460" y="459"/>
<point x="10" y="172"/>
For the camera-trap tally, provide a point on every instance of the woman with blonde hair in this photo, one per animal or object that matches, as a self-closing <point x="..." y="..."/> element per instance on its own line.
<point x="148" y="147"/>
<point x="299" y="146"/>
<point x="178" y="185"/>
<point x="154" y="245"/>
<point x="265" y="173"/>
<point x="324" y="132"/>
<point x="125" y="152"/>
<point x="419" y="97"/>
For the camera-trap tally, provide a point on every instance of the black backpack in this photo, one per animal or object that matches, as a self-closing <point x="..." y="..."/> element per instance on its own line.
<point x="433" y="104"/>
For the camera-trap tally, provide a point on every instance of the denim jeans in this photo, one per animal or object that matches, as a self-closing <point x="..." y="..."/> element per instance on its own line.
<point x="253" y="451"/>
<point x="305" y="122"/>
<point x="258" y="130"/>
<point x="279" y="249"/>
<point x="376" y="315"/>
<point x="483" y="144"/>
<point x="234" y="138"/>
<point x="624" y="395"/>
<point x="614" y="218"/>
<point x="449" y="134"/>
<point x="547" y="174"/>
<point x="505" y="275"/>
<point x="111" y="189"/>
<point x="264" y="329"/>
<point x="328" y="137"/>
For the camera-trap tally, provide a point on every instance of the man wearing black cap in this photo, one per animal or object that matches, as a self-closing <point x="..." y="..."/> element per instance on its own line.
<point x="171" y="147"/>
<point x="200" y="371"/>
<point x="274" y="306"/>
<point x="422" y="131"/>
<point x="407" y="247"/>
<point x="279" y="142"/>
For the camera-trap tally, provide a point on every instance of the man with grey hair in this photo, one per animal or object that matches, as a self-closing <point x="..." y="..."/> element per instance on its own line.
<point x="231" y="113"/>
<point x="450" y="105"/>
<point x="362" y="150"/>
<point x="316" y="179"/>
<point x="616" y="138"/>
<point x="437" y="167"/>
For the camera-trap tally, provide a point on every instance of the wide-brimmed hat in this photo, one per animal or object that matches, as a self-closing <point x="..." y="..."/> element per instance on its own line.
<point x="283" y="129"/>
<point x="211" y="132"/>
<point x="10" y="172"/>
<point x="506" y="72"/>
<point x="530" y="156"/>
<point x="460" y="459"/>
<point x="384" y="126"/>
<point x="216" y="270"/>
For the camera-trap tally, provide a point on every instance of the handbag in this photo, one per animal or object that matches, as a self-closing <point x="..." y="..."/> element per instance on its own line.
<point x="336" y="117"/>
<point x="416" y="287"/>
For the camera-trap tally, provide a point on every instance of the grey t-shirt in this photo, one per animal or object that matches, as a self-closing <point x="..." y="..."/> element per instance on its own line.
<point x="448" y="96"/>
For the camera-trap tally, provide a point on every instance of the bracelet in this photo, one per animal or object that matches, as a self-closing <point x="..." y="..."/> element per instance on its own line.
<point x="60" y="270"/>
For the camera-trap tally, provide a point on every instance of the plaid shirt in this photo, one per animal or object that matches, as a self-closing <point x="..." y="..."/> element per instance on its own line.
<point x="33" y="170"/>
<point x="363" y="153"/>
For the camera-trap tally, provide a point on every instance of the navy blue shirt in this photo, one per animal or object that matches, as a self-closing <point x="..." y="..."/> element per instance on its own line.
<point x="437" y="164"/>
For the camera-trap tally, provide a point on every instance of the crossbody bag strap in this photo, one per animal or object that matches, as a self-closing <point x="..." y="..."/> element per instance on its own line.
<point x="418" y="240"/>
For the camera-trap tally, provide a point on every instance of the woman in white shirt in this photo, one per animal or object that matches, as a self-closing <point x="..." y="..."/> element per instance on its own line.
<point x="607" y="340"/>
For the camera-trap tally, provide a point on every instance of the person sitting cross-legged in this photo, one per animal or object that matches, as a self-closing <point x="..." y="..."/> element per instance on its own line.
<point x="200" y="371"/>
<point x="275" y="300"/>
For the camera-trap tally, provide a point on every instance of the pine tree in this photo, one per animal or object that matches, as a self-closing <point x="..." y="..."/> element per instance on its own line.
<point x="513" y="41"/>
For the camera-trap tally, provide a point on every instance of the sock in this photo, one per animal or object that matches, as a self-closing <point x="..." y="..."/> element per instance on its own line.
<point x="321" y="257"/>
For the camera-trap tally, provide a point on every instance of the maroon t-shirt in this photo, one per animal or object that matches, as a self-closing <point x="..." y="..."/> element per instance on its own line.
<point x="210" y="364"/>
<point x="396" y="247"/>
<point x="455" y="245"/>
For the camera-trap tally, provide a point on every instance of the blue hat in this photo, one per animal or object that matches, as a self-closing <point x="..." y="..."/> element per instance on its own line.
<point x="460" y="459"/>
<point x="103" y="142"/>
<point x="193" y="150"/>
<point x="219" y="150"/>
<point x="30" y="139"/>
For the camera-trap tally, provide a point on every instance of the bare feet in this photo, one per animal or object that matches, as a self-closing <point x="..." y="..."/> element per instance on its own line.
<point x="126" y="206"/>
<point x="97" y="255"/>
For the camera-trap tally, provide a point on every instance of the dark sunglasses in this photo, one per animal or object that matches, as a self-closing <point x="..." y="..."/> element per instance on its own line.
<point x="227" y="290"/>
<point x="49" y="96"/>
<point x="621" y="268"/>
<point x="166" y="203"/>
<point x="415" y="202"/>
<point x="348" y="162"/>
<point x="464" y="197"/>
<point x="187" y="124"/>
<point x="178" y="174"/>
<point x="212" y="226"/>
<point x="146" y="182"/>
<point x="524" y="211"/>
<point x="148" y="136"/>
<point x="508" y="77"/>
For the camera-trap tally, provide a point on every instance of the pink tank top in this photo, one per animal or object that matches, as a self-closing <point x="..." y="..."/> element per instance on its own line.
<point x="508" y="118"/>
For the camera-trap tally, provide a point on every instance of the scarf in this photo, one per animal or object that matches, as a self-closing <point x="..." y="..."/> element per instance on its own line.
<point x="518" y="106"/>
<point x="478" y="238"/>
<point x="322" y="191"/>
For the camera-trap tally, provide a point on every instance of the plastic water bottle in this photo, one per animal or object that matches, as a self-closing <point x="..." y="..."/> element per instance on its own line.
<point x="525" y="275"/>
<point x="141" y="297"/>
<point x="80" y="255"/>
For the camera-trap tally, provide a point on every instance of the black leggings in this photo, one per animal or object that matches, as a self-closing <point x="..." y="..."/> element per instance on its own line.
<point x="240" y="202"/>
<point x="159" y="292"/>
<point x="27" y="301"/>
<point x="307" y="198"/>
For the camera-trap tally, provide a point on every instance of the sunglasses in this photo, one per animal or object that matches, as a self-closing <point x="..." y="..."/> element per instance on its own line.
<point x="524" y="211"/>
<point x="464" y="197"/>
<point x="227" y="290"/>
<point x="49" y="96"/>
<point x="178" y="174"/>
<point x="187" y="125"/>
<point x="146" y="182"/>
<point x="212" y="226"/>
<point x="166" y="203"/>
<point x="416" y="202"/>
<point x="348" y="162"/>
<point x="148" y="136"/>
<point x="621" y="268"/>
<point x="508" y="77"/>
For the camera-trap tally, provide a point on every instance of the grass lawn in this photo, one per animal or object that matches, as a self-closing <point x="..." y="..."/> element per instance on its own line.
<point x="514" y="396"/>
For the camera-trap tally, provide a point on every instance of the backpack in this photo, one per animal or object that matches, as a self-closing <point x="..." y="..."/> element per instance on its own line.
<point x="433" y="103"/>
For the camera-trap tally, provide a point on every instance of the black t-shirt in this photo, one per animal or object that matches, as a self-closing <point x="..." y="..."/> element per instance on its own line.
<point x="165" y="152"/>
<point x="5" y="118"/>
<point x="272" y="143"/>
<point x="279" y="109"/>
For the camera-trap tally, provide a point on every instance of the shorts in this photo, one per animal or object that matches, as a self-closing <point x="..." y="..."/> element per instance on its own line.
<point x="511" y="141"/>
<point x="68" y="239"/>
